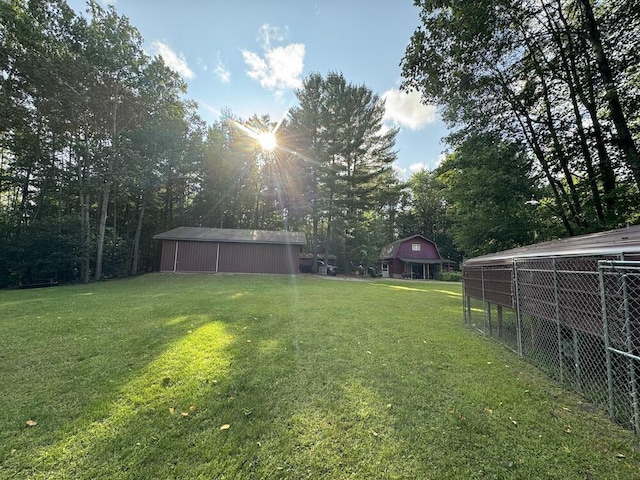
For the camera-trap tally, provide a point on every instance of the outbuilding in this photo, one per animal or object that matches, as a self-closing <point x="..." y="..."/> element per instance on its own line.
<point x="228" y="250"/>
<point x="306" y="262"/>
<point x="411" y="257"/>
<point x="571" y="307"/>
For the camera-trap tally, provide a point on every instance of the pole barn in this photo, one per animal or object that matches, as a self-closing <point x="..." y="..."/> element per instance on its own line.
<point x="197" y="249"/>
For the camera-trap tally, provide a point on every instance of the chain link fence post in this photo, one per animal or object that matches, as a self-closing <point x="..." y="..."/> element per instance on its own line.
<point x="630" y="365"/>
<point x="556" y="297"/>
<point x="518" y="310"/>
<point x="607" y="342"/>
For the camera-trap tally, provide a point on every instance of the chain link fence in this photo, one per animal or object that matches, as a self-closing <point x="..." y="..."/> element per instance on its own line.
<point x="575" y="318"/>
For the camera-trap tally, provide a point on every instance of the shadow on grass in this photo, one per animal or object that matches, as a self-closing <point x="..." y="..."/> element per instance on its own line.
<point x="153" y="398"/>
<point x="323" y="383"/>
<point x="151" y="410"/>
<point x="93" y="379"/>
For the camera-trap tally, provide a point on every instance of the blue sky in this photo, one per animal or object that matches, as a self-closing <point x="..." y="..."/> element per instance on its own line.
<point x="248" y="56"/>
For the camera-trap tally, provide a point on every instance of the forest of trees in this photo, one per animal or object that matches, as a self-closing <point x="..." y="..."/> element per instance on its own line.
<point x="544" y="97"/>
<point x="100" y="147"/>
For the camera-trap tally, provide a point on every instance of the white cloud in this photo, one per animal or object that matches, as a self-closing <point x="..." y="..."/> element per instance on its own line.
<point x="418" y="167"/>
<point x="173" y="60"/>
<point x="281" y="67"/>
<point x="401" y="173"/>
<point x="268" y="33"/>
<point x="223" y="74"/>
<point x="384" y="129"/>
<point x="406" y="109"/>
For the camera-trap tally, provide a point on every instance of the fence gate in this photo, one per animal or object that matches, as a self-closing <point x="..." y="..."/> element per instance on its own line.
<point x="620" y="295"/>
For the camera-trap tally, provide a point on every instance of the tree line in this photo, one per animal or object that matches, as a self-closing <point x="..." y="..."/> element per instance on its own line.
<point x="544" y="97"/>
<point x="100" y="147"/>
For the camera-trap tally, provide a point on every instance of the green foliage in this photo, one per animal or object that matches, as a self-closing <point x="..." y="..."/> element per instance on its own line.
<point x="117" y="256"/>
<point x="548" y="77"/>
<point x="450" y="276"/>
<point x="47" y="249"/>
<point x="488" y="186"/>
<point x="426" y="213"/>
<point x="337" y="130"/>
<point x="94" y="131"/>
<point x="134" y="379"/>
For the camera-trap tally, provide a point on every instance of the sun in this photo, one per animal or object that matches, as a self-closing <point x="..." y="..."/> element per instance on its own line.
<point x="267" y="141"/>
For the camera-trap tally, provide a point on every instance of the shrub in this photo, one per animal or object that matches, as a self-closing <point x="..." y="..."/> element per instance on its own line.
<point x="450" y="276"/>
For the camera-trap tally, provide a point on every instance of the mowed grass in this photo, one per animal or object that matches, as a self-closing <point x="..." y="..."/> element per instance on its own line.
<point x="241" y="376"/>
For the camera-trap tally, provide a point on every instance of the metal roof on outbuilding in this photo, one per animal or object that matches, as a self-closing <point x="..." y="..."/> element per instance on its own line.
<point x="232" y="235"/>
<point x="320" y="256"/>
<point x="614" y="242"/>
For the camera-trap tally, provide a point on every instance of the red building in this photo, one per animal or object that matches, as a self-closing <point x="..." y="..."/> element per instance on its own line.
<point x="196" y="249"/>
<point x="411" y="257"/>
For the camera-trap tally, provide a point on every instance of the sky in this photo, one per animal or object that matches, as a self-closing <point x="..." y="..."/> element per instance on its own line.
<point x="249" y="57"/>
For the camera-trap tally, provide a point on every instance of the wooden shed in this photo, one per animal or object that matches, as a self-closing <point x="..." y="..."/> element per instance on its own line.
<point x="411" y="257"/>
<point x="197" y="249"/>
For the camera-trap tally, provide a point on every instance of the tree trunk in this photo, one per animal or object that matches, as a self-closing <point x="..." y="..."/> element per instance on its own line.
<point x="102" y="226"/>
<point x="136" y="239"/>
<point x="85" y="233"/>
<point x="85" y="226"/>
<point x="558" y="192"/>
<point x="624" y="140"/>
<point x="314" y="245"/>
<point x="328" y="243"/>
<point x="24" y="199"/>
<point x="573" y="198"/>
<point x="529" y="132"/>
<point x="573" y="85"/>
<point x="606" y="172"/>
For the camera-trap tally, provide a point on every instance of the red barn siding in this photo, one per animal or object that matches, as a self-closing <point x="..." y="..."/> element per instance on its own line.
<point x="197" y="257"/>
<point x="259" y="258"/>
<point x="404" y="261"/>
<point x="427" y="250"/>
<point x="190" y="256"/>
<point x="234" y="257"/>
<point x="397" y="267"/>
<point x="168" y="255"/>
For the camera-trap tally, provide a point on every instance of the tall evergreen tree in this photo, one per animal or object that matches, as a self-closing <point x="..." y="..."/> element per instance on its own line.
<point x="341" y="124"/>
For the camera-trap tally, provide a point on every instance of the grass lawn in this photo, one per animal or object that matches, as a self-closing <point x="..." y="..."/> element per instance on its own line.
<point x="241" y="376"/>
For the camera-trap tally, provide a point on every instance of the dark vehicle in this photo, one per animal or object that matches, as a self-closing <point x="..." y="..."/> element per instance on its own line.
<point x="306" y="269"/>
<point x="331" y="269"/>
<point x="374" y="272"/>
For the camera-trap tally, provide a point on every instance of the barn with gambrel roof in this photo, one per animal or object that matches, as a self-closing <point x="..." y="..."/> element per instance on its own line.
<point x="411" y="257"/>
